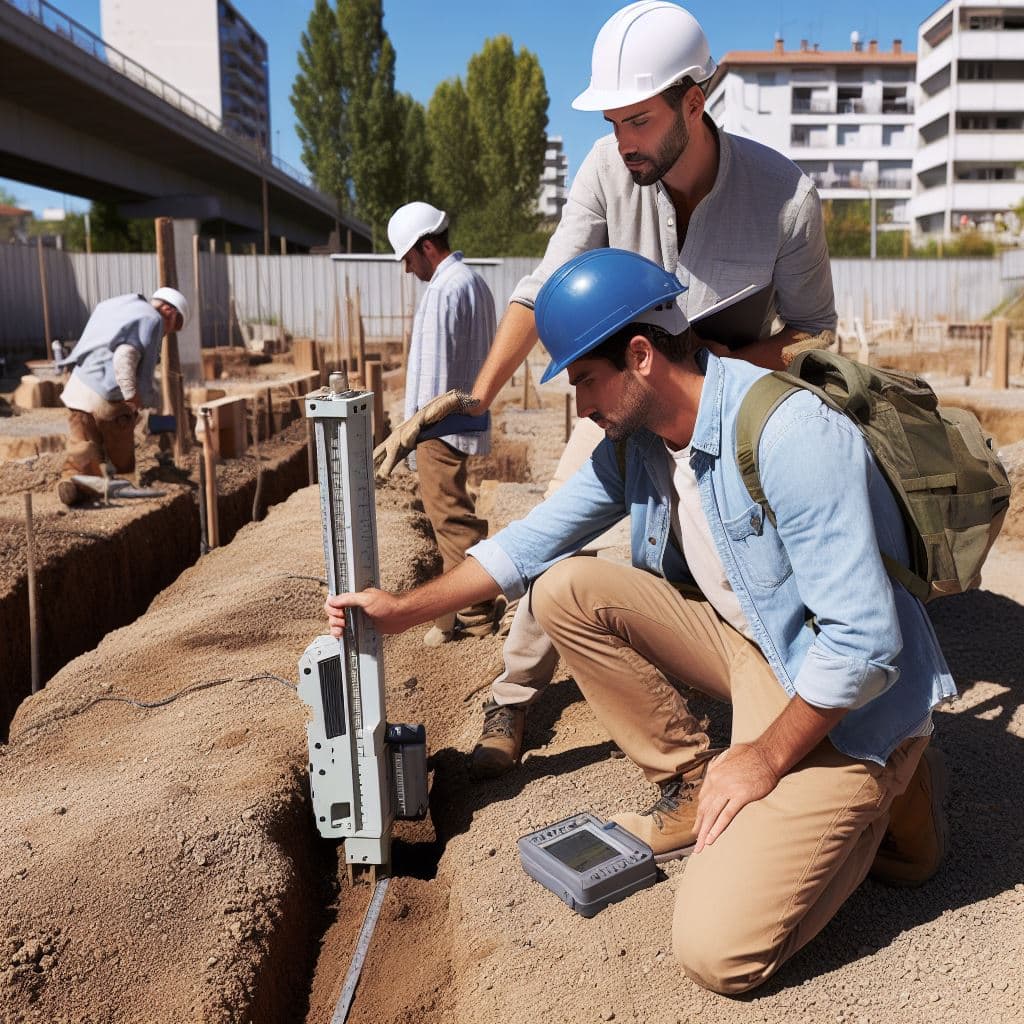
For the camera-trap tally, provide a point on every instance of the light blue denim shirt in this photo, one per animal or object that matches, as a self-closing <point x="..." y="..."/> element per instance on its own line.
<point x="122" y="320"/>
<point x="832" y="624"/>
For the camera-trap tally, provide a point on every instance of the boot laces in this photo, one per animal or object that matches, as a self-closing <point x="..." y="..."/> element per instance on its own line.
<point x="499" y="721"/>
<point x="673" y="793"/>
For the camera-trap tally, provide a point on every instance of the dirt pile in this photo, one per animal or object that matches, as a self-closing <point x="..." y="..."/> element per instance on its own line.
<point x="1012" y="457"/>
<point x="161" y="863"/>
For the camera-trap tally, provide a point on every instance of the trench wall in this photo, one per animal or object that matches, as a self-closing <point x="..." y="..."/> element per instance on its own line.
<point x="105" y="583"/>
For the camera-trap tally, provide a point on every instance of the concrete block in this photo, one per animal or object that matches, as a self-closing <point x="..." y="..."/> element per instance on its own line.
<point x="35" y="393"/>
<point x="228" y="429"/>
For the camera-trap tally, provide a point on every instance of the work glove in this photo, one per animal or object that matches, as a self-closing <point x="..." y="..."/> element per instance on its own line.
<point x="402" y="440"/>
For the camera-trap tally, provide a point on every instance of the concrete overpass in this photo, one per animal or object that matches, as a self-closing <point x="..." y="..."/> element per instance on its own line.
<point x="78" y="116"/>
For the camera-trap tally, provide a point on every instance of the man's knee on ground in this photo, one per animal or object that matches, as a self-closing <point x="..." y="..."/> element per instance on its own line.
<point x="714" y="964"/>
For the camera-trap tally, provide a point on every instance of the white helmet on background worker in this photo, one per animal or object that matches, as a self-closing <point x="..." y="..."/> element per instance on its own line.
<point x="174" y="298"/>
<point x="412" y="222"/>
<point x="640" y="51"/>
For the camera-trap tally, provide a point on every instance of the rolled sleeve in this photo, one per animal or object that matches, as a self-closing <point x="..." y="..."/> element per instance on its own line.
<point x="583" y="226"/>
<point x="825" y="520"/>
<point x="803" y="275"/>
<point x="500" y="567"/>
<point x="590" y="502"/>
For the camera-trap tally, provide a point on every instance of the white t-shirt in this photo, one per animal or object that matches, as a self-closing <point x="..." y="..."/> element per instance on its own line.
<point x="690" y="526"/>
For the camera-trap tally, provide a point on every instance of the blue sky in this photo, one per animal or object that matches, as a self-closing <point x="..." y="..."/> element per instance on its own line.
<point x="434" y="41"/>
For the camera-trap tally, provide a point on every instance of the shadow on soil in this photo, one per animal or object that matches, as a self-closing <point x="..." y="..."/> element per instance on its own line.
<point x="980" y="635"/>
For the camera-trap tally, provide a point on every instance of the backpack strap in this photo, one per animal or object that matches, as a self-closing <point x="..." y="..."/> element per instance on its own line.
<point x="764" y="397"/>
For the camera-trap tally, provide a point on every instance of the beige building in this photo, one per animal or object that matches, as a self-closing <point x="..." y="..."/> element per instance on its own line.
<point x="205" y="49"/>
<point x="844" y="117"/>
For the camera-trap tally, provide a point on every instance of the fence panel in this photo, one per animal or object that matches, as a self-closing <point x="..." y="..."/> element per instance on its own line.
<point x="300" y="292"/>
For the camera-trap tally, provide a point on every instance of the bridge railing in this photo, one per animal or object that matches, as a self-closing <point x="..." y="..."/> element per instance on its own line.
<point x="76" y="33"/>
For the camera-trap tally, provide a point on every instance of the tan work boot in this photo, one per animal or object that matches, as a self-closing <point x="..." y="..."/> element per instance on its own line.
<point x="501" y="742"/>
<point x="67" y="491"/>
<point x="915" y="841"/>
<point x="668" y="825"/>
<point x="483" y="621"/>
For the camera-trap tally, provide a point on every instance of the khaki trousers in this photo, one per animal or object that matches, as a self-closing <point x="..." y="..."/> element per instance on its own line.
<point x="530" y="657"/>
<point x="786" y="863"/>
<point x="442" y="473"/>
<point x="108" y="435"/>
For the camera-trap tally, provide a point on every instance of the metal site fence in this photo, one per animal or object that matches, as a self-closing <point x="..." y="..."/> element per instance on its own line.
<point x="301" y="294"/>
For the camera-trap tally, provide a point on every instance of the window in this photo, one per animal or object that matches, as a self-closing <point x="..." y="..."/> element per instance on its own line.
<point x="848" y="135"/>
<point x="975" y="70"/>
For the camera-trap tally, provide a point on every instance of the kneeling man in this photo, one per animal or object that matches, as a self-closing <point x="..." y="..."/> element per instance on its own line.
<point x="832" y="669"/>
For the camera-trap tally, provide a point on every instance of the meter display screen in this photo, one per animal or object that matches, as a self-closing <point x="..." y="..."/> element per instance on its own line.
<point x="581" y="850"/>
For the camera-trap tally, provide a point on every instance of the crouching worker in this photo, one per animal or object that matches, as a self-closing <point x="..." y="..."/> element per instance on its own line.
<point x="112" y="379"/>
<point x="832" y="670"/>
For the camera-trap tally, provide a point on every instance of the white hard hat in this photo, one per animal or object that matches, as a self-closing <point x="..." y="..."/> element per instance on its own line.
<point x="640" y="51"/>
<point x="176" y="299"/>
<point x="411" y="222"/>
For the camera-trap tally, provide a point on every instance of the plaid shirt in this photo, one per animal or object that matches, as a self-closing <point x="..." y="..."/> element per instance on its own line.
<point x="451" y="335"/>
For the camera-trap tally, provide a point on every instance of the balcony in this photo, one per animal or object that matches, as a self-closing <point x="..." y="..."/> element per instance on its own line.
<point x="934" y="154"/>
<point x="935" y="61"/>
<point x="898" y="105"/>
<point x="992" y="146"/>
<point x="991" y="45"/>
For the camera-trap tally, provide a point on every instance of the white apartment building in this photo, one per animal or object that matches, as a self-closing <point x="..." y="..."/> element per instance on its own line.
<point x="969" y="166"/>
<point x="553" y="191"/>
<point x="205" y="49"/>
<point x="844" y="117"/>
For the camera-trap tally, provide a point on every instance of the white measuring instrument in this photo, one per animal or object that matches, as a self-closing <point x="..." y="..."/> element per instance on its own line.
<point x="363" y="773"/>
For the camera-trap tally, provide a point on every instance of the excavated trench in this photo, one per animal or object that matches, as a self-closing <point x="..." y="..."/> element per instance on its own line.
<point x="97" y="580"/>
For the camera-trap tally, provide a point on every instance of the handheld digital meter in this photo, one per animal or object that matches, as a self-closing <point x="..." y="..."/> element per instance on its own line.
<point x="588" y="863"/>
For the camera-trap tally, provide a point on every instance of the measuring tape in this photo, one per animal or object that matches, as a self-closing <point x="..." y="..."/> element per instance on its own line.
<point x="355" y="968"/>
<point x="343" y="681"/>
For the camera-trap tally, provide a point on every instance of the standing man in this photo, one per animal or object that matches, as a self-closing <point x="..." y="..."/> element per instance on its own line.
<point x="719" y="211"/>
<point x="831" y="668"/>
<point x="112" y="379"/>
<point x="451" y="333"/>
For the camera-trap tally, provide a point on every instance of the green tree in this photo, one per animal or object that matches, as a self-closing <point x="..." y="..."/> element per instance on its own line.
<point x="414" y="182"/>
<point x="487" y="141"/>
<point x="372" y="114"/>
<point x="319" y="97"/>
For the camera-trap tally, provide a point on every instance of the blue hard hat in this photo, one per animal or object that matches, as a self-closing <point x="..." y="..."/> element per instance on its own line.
<point x="589" y="298"/>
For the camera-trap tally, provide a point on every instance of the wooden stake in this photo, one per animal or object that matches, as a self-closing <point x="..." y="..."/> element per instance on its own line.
<point x="349" y="332"/>
<point x="526" y="385"/>
<point x="360" y="336"/>
<point x="1000" y="353"/>
<point x="204" y="542"/>
<point x="337" y="327"/>
<point x="257" y="498"/>
<point x="45" y="291"/>
<point x="33" y="593"/>
<point x="210" y="460"/>
<point x="170" y="371"/>
<point x="375" y="382"/>
<point x="310" y="452"/>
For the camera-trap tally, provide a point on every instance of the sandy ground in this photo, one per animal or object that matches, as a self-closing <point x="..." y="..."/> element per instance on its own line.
<point x="161" y="864"/>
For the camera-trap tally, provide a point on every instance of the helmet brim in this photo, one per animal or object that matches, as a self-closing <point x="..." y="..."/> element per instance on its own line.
<point x="612" y="99"/>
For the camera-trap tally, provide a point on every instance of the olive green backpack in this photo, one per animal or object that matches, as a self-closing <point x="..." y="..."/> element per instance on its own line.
<point x="951" y="489"/>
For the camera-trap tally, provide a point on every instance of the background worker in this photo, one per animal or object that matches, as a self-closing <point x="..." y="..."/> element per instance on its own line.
<point x="829" y="724"/>
<point x="451" y="333"/>
<point x="114" y="361"/>
<point x="719" y="211"/>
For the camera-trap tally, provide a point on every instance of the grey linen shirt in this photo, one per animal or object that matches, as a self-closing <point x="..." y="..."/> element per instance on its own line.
<point x="760" y="222"/>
